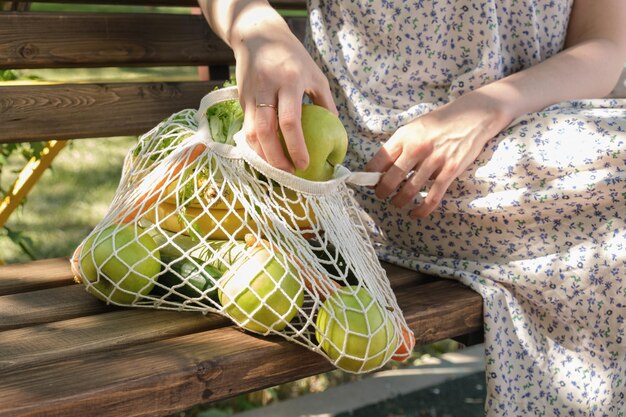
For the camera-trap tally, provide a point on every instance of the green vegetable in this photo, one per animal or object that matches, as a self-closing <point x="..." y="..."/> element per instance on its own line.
<point x="332" y="261"/>
<point x="187" y="278"/>
<point x="225" y="119"/>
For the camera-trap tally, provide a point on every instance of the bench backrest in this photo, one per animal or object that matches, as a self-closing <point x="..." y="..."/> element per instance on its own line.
<point x="34" y="40"/>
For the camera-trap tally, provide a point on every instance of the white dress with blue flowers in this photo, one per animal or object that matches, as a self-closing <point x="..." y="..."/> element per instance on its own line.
<point x="536" y="224"/>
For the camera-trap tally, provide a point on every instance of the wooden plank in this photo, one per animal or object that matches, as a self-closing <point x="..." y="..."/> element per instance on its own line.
<point x="52" y="342"/>
<point x="72" y="111"/>
<point x="26" y="306"/>
<point x="67" y="40"/>
<point x="49" y="273"/>
<point x="173" y="374"/>
<point x="279" y="4"/>
<point x="35" y="275"/>
<point x="46" y="306"/>
<point x="62" y="339"/>
<point x="440" y="310"/>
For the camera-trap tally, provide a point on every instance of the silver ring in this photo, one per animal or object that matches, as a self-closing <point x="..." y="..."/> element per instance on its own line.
<point x="273" y="106"/>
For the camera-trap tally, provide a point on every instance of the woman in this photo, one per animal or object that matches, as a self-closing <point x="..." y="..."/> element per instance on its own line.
<point x="524" y="198"/>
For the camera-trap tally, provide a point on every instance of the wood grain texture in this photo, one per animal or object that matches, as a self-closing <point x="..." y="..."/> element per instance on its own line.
<point x="47" y="306"/>
<point x="67" y="40"/>
<point x="60" y="340"/>
<point x="35" y="275"/>
<point x="73" y="111"/>
<point x="172" y="374"/>
<point x="279" y="4"/>
<point x="127" y="362"/>
<point x="156" y="378"/>
<point x="440" y="310"/>
<point x="56" y="272"/>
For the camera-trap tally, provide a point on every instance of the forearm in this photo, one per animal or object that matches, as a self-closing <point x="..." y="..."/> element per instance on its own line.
<point x="234" y="20"/>
<point x="586" y="70"/>
<point x="588" y="67"/>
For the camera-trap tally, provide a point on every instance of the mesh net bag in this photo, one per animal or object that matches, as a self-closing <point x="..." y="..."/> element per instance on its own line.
<point x="205" y="226"/>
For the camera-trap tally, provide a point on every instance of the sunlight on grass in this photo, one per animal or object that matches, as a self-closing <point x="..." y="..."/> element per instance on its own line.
<point x="112" y="74"/>
<point x="70" y="199"/>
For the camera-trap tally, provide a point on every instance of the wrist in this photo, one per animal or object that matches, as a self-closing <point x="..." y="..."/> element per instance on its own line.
<point x="495" y="112"/>
<point x="255" y="20"/>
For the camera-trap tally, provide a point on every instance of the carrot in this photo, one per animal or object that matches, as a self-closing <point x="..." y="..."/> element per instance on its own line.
<point x="145" y="201"/>
<point x="74" y="264"/>
<point x="406" y="347"/>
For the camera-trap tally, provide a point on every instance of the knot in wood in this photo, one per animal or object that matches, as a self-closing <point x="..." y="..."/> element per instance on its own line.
<point x="206" y="370"/>
<point x="28" y="50"/>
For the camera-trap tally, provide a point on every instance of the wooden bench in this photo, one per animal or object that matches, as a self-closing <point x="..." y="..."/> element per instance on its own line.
<point x="64" y="353"/>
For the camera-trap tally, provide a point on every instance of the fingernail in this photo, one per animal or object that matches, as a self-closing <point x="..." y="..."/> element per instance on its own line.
<point x="302" y="164"/>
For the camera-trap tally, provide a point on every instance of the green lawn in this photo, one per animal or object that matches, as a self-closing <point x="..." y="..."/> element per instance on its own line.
<point x="70" y="199"/>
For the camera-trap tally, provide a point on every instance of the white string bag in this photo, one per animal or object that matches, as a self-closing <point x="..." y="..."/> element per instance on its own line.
<point x="205" y="226"/>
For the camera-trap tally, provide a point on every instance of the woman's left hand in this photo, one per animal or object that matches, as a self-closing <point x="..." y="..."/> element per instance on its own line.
<point x="439" y="145"/>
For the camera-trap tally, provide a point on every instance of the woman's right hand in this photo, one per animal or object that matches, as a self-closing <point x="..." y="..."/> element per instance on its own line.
<point x="273" y="67"/>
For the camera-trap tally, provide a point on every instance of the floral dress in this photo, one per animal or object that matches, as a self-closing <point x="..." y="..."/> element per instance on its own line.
<point x="536" y="224"/>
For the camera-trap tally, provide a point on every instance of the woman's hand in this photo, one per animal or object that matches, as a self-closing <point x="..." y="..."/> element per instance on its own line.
<point x="273" y="72"/>
<point x="439" y="145"/>
<point x="274" y="68"/>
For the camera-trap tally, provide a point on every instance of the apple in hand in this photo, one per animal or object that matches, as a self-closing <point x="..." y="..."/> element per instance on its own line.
<point x="326" y="141"/>
<point x="117" y="265"/>
<point x="355" y="331"/>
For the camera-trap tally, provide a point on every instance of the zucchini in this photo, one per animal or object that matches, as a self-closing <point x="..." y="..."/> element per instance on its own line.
<point x="187" y="278"/>
<point x="332" y="261"/>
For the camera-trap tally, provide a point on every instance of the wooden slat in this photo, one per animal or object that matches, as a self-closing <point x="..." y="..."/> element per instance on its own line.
<point x="57" y="340"/>
<point x="440" y="310"/>
<point x="52" y="342"/>
<point x="279" y="4"/>
<point x="35" y="305"/>
<point x="49" y="273"/>
<point x="69" y="40"/>
<point x="72" y="111"/>
<point x="47" y="306"/>
<point x="174" y="374"/>
<point x="35" y="275"/>
<point x="52" y="40"/>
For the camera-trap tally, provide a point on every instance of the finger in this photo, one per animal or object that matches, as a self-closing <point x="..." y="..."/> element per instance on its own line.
<point x="289" y="119"/>
<point x="434" y="196"/>
<point x="414" y="185"/>
<point x="266" y="126"/>
<point x="322" y="96"/>
<point x="386" y="156"/>
<point x="391" y="180"/>
<point x="249" y="130"/>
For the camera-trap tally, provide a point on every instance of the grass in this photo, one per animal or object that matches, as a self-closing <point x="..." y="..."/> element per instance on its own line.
<point x="69" y="200"/>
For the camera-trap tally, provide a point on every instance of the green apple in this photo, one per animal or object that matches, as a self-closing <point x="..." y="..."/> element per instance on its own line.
<point x="261" y="292"/>
<point x="326" y="140"/>
<point x="355" y="331"/>
<point x="119" y="265"/>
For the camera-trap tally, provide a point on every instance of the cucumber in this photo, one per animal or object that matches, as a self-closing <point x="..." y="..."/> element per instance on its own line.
<point x="221" y="254"/>
<point x="187" y="278"/>
<point x="332" y="261"/>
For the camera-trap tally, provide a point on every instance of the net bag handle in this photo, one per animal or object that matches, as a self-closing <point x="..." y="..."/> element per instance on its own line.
<point x="342" y="174"/>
